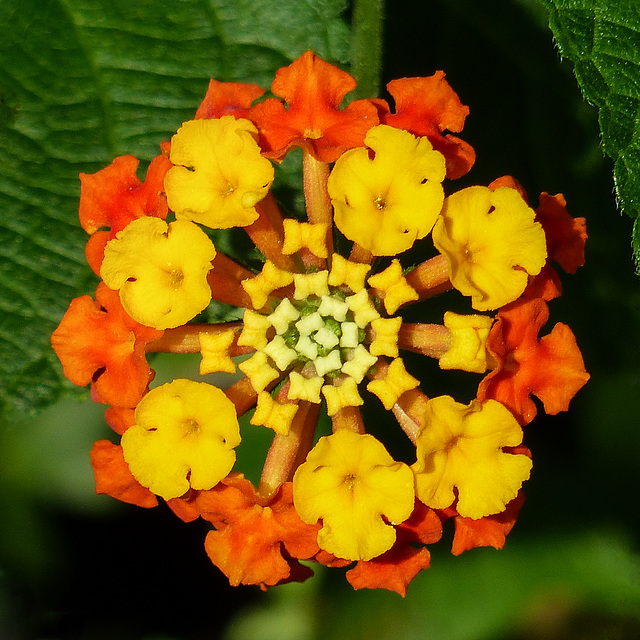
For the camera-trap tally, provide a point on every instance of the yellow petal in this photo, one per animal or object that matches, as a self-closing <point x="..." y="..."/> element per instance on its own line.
<point x="350" y="482"/>
<point x="460" y="447"/>
<point x="387" y="202"/>
<point x="184" y="437"/>
<point x="220" y="174"/>
<point x="160" y="270"/>
<point x="492" y="244"/>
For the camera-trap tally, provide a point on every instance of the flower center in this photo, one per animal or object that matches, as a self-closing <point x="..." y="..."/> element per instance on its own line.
<point x="176" y="278"/>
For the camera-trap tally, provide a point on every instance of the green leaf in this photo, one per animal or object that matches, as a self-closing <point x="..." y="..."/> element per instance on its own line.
<point x="82" y="81"/>
<point x="602" y="39"/>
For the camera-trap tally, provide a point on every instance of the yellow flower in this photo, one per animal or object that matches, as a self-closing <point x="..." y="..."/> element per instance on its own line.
<point x="492" y="244"/>
<point x="303" y="234"/>
<point x="394" y="286"/>
<point x="214" y="348"/>
<point x="387" y="203"/>
<point x="460" y="447"/>
<point x="184" y="437"/>
<point x="219" y="175"/>
<point x="272" y="414"/>
<point x="350" y="482"/>
<point x="341" y="394"/>
<point x="396" y="382"/>
<point x="468" y="349"/>
<point x="160" y="270"/>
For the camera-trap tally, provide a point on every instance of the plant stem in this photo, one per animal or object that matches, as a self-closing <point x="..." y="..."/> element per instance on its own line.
<point x="366" y="47"/>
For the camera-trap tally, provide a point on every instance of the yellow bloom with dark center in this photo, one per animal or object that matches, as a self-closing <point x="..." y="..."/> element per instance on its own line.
<point x="160" y="270"/>
<point x="492" y="244"/>
<point x="184" y="437"/>
<point x="387" y="202"/>
<point x="220" y="174"/>
<point x="461" y="447"/>
<point x="350" y="482"/>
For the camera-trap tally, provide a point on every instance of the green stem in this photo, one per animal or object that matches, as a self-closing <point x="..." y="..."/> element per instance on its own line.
<point x="366" y="47"/>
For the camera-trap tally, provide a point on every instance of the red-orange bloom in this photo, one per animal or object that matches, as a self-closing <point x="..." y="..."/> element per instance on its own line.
<point x="313" y="91"/>
<point x="114" y="196"/>
<point x="550" y="368"/>
<point x="253" y="543"/>
<point x="396" y="568"/>
<point x="429" y="107"/>
<point x="545" y="285"/>
<point x="228" y="99"/>
<point x="98" y="343"/>
<point x="490" y="531"/>
<point x="114" y="478"/>
<point x="566" y="236"/>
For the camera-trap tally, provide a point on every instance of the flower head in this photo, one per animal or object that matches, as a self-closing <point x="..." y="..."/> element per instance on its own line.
<point x="322" y="328"/>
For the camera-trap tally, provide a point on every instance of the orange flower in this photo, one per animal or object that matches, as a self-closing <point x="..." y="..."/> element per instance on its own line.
<point x="566" y="236"/>
<point x="490" y="531"/>
<point x="114" y="196"/>
<point x="228" y="98"/>
<point x="395" y="569"/>
<point x="550" y="368"/>
<point x="254" y="543"/>
<point x="114" y="478"/>
<point x="428" y="107"/>
<point x="313" y="91"/>
<point x="98" y="343"/>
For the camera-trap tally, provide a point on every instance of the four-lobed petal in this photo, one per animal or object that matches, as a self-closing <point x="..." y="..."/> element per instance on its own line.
<point x="352" y="484"/>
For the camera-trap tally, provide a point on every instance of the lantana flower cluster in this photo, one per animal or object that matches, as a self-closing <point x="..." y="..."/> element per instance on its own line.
<point x="324" y="328"/>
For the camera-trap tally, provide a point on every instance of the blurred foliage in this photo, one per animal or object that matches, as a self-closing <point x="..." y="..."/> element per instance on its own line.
<point x="74" y="565"/>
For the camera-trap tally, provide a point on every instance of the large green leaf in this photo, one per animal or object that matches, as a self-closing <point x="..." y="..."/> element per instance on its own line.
<point x="82" y="81"/>
<point x="602" y="39"/>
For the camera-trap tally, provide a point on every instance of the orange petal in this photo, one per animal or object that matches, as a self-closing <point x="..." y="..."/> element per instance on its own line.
<point x="566" y="236"/>
<point x="395" y="569"/>
<point x="550" y="368"/>
<point x="114" y="196"/>
<point x="228" y="98"/>
<point x="114" y="478"/>
<point x="490" y="531"/>
<point x="428" y="107"/>
<point x="98" y="343"/>
<point x="313" y="91"/>
<point x="253" y="543"/>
